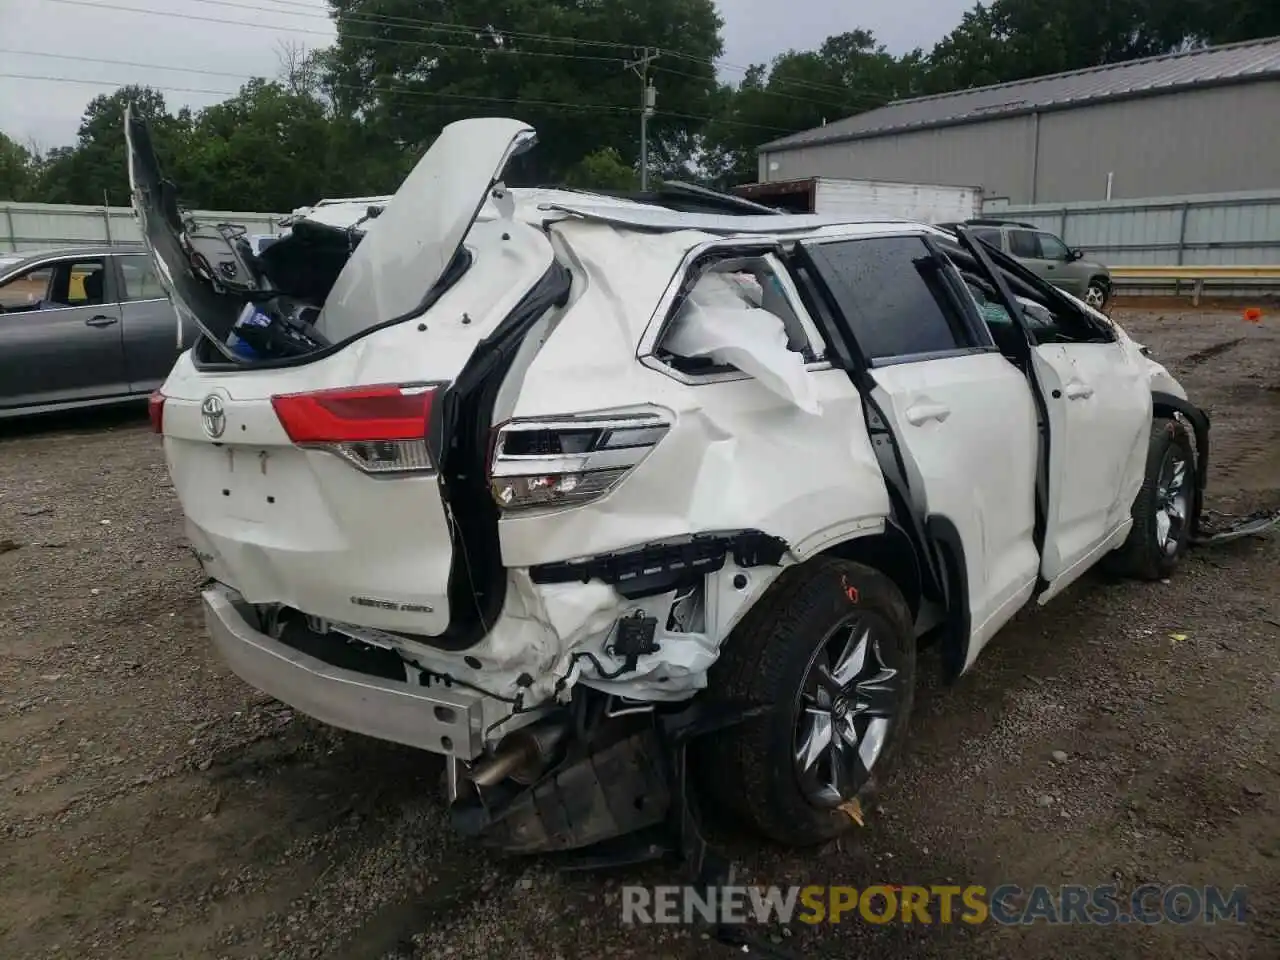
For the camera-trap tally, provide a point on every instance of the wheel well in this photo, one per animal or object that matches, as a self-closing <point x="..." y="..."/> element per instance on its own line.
<point x="891" y="553"/>
<point x="1100" y="280"/>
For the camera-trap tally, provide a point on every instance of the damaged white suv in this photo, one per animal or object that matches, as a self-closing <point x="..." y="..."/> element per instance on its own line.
<point x="616" y="502"/>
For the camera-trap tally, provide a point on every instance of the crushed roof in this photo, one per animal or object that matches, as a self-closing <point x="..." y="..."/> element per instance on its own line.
<point x="1209" y="66"/>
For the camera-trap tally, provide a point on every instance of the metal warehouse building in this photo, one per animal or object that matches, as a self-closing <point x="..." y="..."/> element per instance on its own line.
<point x="1202" y="122"/>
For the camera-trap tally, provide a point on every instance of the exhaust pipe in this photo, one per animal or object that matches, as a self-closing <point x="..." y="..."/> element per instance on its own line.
<point x="522" y="755"/>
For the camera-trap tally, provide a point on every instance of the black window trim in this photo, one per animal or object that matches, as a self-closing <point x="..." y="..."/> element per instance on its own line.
<point x="59" y="260"/>
<point x="696" y="263"/>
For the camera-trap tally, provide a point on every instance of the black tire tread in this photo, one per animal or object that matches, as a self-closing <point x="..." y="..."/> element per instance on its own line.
<point x="735" y="772"/>
<point x="1139" y="558"/>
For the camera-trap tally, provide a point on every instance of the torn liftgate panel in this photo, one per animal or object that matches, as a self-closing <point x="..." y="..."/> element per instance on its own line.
<point x="656" y="568"/>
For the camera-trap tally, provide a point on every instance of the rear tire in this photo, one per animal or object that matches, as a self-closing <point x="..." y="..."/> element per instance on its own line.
<point x="1162" y="509"/>
<point x="839" y="717"/>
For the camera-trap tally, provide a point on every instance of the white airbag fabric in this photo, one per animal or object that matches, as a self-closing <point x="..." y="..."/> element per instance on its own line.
<point x="719" y="322"/>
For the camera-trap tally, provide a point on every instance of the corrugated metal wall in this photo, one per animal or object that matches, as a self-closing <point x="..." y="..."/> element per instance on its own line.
<point x="1203" y="230"/>
<point x="995" y="156"/>
<point x="35" y="226"/>
<point x="1196" y="141"/>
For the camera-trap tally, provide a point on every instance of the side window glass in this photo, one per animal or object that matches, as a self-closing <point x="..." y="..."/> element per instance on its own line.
<point x="1051" y="248"/>
<point x="140" y="279"/>
<point x="1024" y="244"/>
<point x="78" y="283"/>
<point x="894" y="295"/>
<point x="738" y="302"/>
<point x="26" y="291"/>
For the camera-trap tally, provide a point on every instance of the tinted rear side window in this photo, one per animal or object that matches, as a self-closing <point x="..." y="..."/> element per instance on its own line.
<point x="894" y="296"/>
<point x="1025" y="244"/>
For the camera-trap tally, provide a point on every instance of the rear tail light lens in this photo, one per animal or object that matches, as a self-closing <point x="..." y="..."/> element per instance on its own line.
<point x="562" y="462"/>
<point x="155" y="411"/>
<point x="380" y="430"/>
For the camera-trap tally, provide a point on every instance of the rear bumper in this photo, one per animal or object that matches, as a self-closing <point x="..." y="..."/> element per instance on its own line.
<point x="445" y="720"/>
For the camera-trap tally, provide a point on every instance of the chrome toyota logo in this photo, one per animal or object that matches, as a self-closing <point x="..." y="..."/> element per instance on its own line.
<point x="213" y="416"/>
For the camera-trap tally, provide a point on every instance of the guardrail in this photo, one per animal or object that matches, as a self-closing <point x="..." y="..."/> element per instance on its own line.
<point x="1198" y="276"/>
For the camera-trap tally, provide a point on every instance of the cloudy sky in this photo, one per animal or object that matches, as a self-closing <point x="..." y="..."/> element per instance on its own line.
<point x="235" y="39"/>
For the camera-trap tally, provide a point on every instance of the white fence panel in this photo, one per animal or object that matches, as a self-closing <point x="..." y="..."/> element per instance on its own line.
<point x="38" y="226"/>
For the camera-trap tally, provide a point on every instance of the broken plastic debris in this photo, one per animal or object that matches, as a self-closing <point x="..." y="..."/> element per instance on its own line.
<point x="1253" y="314"/>
<point x="1177" y="637"/>
<point x="853" y="810"/>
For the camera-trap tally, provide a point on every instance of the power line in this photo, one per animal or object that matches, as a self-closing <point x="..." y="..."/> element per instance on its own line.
<point x="476" y="31"/>
<point x="420" y="23"/>
<point x="432" y="44"/>
<point x="389" y="89"/>
<point x="867" y="98"/>
<point x="423" y="25"/>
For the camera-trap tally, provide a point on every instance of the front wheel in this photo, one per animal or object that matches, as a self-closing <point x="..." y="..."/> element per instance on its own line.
<point x="831" y="647"/>
<point x="1162" y="510"/>
<point x="1097" y="294"/>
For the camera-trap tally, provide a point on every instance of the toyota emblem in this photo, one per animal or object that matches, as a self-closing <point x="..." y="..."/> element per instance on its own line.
<point x="213" y="416"/>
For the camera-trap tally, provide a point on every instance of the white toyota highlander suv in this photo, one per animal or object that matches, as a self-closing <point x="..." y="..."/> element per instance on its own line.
<point x="620" y="503"/>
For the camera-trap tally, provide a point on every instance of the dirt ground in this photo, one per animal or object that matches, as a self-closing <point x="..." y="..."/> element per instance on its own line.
<point x="151" y="805"/>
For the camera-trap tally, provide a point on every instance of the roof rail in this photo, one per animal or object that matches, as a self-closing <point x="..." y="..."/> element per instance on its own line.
<point x="993" y="222"/>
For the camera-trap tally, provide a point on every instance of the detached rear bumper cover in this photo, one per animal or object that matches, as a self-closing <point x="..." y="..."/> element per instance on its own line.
<point x="448" y="721"/>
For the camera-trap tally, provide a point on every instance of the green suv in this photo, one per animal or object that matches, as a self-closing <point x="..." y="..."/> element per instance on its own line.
<point x="1047" y="255"/>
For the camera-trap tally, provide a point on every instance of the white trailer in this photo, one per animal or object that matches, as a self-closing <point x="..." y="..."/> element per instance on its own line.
<point x="872" y="199"/>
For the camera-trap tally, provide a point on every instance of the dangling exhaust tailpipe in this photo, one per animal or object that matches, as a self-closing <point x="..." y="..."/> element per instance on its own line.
<point x="522" y="756"/>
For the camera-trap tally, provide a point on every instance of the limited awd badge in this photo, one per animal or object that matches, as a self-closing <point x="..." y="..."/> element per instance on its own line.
<point x="213" y="416"/>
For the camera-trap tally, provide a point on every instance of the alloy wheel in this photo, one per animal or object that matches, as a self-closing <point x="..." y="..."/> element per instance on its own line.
<point x="850" y="697"/>
<point x="1172" y="501"/>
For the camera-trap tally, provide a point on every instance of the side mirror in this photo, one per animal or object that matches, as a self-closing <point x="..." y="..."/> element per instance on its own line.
<point x="1074" y="255"/>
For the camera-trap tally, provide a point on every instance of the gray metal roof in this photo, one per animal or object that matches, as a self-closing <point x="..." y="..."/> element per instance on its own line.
<point x="1233" y="63"/>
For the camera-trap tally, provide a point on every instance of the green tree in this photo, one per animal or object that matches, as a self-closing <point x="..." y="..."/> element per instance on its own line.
<point x="267" y="148"/>
<point x="1017" y="39"/>
<point x="1229" y="21"/>
<point x="602" y="170"/>
<point x="407" y="79"/>
<point x="96" y="167"/>
<point x="17" y="170"/>
<point x="850" y="73"/>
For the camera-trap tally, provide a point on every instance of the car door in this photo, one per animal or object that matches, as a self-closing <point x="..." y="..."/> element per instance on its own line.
<point x="151" y="336"/>
<point x="1060" y="268"/>
<point x="60" y="337"/>
<point x="964" y="417"/>
<point x="1098" y="400"/>
<point x="1025" y="245"/>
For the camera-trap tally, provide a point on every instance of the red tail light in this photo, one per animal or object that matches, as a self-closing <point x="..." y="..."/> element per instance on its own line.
<point x="380" y="429"/>
<point x="155" y="410"/>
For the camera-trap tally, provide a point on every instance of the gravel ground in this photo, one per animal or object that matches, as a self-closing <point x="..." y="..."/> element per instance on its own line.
<point x="153" y="806"/>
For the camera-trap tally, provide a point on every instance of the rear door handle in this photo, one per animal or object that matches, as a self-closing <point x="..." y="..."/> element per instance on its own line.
<point x="922" y="412"/>
<point x="101" y="320"/>
<point x="1079" y="391"/>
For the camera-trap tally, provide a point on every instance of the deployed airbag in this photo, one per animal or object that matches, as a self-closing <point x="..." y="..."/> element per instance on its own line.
<point x="720" y="320"/>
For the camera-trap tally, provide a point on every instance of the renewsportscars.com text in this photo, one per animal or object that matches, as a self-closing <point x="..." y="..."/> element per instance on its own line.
<point x="893" y="903"/>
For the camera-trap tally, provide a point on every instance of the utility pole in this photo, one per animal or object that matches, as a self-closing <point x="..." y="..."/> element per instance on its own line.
<point x="648" y="99"/>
